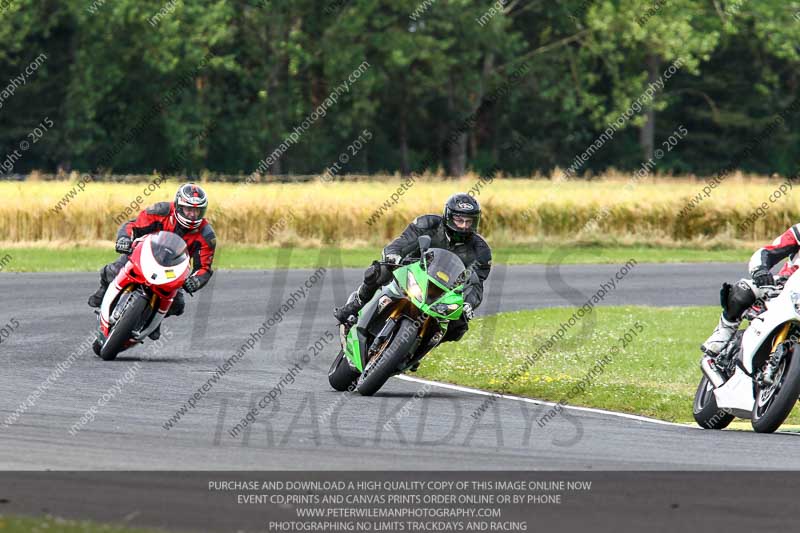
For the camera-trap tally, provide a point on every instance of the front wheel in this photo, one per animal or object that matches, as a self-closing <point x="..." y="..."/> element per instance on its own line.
<point x="387" y="362"/>
<point x="341" y="376"/>
<point x="705" y="410"/>
<point x="121" y="331"/>
<point x="774" y="403"/>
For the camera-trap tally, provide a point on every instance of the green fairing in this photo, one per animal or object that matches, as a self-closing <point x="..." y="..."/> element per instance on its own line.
<point x="418" y="270"/>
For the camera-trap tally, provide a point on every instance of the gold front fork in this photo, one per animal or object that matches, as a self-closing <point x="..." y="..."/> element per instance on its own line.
<point x="781" y="336"/>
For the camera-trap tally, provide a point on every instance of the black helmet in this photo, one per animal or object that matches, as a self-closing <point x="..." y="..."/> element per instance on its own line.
<point x="191" y="203"/>
<point x="462" y="216"/>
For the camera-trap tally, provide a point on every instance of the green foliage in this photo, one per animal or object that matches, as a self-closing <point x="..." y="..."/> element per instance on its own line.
<point x="128" y="86"/>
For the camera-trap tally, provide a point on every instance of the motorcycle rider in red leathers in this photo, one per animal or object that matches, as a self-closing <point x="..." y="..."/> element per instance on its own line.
<point x="185" y="216"/>
<point x="736" y="299"/>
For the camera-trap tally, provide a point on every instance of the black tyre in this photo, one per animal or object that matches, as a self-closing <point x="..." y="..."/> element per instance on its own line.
<point x="705" y="410"/>
<point x="341" y="376"/>
<point x="388" y="361"/>
<point x="121" y="331"/>
<point x="774" y="403"/>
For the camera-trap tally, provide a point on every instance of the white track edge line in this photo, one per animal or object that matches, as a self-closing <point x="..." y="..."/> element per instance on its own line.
<point x="461" y="388"/>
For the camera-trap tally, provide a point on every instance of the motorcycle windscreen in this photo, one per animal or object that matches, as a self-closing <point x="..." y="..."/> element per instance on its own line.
<point x="168" y="249"/>
<point x="445" y="267"/>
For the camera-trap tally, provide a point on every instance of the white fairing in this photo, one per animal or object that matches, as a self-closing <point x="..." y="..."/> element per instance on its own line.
<point x="737" y="393"/>
<point x="155" y="273"/>
<point x="105" y="307"/>
<point x="779" y="311"/>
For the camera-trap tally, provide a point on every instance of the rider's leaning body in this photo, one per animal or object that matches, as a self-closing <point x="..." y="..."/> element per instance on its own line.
<point x="737" y="298"/>
<point x="457" y="231"/>
<point x="185" y="216"/>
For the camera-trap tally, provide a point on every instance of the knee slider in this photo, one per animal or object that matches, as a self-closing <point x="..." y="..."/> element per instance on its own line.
<point x="740" y="298"/>
<point x="373" y="273"/>
<point x="178" y="305"/>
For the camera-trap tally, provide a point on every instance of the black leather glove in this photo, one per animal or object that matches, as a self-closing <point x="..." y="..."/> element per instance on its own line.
<point x="762" y="277"/>
<point x="124" y="245"/>
<point x="191" y="285"/>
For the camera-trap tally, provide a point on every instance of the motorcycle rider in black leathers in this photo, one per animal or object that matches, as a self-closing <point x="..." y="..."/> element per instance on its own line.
<point x="457" y="231"/>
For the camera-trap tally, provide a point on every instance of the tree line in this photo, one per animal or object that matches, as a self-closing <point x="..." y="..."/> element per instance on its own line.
<point x="131" y="85"/>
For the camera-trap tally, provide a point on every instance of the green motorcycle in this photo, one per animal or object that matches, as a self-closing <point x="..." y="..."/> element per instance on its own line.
<point x="405" y="320"/>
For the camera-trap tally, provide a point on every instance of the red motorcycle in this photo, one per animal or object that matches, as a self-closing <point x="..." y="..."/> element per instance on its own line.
<point x="140" y="296"/>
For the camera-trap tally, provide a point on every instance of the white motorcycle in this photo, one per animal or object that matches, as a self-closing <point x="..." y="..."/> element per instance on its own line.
<point x="757" y="376"/>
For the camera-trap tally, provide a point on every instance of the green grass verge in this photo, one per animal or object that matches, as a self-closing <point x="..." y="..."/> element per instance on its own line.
<point x="84" y="259"/>
<point x="21" y="524"/>
<point x="655" y="374"/>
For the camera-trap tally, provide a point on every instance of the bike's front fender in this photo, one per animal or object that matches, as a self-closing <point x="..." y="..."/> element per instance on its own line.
<point x="764" y="327"/>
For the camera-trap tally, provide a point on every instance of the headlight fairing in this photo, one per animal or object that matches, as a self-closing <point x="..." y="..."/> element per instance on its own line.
<point x="412" y="287"/>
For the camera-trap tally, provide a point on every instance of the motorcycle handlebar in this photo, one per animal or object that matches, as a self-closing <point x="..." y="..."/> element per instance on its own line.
<point x="403" y="262"/>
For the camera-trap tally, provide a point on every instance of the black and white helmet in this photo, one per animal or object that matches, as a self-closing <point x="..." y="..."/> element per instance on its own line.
<point x="191" y="203"/>
<point x="462" y="217"/>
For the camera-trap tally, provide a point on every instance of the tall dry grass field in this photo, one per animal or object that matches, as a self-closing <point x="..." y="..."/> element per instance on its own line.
<point x="516" y="211"/>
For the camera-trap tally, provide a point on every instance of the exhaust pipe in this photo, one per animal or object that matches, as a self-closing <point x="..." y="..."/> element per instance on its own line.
<point x="710" y="370"/>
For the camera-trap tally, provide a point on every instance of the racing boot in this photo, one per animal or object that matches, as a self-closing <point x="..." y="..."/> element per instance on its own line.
<point x="347" y="313"/>
<point x="176" y="309"/>
<point x="97" y="298"/>
<point x="720" y="338"/>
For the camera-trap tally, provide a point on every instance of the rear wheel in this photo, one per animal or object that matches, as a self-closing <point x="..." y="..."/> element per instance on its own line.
<point x="341" y="376"/>
<point x="774" y="403"/>
<point x="121" y="331"/>
<point x="387" y="362"/>
<point x="705" y="410"/>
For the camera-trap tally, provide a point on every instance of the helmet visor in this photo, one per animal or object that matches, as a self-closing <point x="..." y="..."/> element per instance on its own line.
<point x="191" y="212"/>
<point x="464" y="223"/>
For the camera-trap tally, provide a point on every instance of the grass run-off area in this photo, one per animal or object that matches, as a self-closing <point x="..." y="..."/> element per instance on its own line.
<point x="655" y="374"/>
<point x="74" y="258"/>
<point x="23" y="524"/>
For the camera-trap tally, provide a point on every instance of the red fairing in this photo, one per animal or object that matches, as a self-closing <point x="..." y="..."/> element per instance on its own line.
<point x="201" y="243"/>
<point x="132" y="274"/>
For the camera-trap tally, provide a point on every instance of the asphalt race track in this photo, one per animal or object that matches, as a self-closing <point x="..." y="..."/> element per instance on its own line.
<point x="310" y="426"/>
